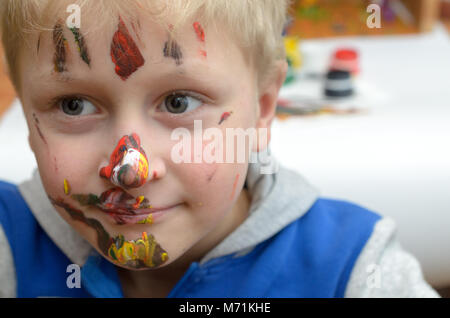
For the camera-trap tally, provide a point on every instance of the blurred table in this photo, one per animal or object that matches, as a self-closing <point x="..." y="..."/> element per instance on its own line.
<point x="395" y="159"/>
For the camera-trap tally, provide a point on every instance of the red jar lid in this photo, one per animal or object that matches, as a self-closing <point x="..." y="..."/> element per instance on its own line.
<point x="346" y="54"/>
<point x="345" y="59"/>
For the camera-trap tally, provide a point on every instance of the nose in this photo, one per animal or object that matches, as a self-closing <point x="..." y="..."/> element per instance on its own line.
<point x="128" y="165"/>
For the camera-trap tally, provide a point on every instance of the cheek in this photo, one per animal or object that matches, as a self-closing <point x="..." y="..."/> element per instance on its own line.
<point x="212" y="187"/>
<point x="62" y="162"/>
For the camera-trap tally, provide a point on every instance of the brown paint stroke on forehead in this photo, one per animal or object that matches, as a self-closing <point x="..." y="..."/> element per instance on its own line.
<point x="61" y="47"/>
<point x="125" y="53"/>
<point x="173" y="50"/>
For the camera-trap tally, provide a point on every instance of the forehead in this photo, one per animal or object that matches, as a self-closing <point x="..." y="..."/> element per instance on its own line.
<point x="194" y="46"/>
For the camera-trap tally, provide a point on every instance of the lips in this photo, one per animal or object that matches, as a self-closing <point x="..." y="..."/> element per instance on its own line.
<point x="122" y="206"/>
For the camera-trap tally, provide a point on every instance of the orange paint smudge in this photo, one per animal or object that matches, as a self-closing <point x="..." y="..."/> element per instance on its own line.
<point x="234" y="186"/>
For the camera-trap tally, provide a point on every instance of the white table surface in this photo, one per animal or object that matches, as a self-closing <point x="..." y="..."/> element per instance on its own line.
<point x="394" y="160"/>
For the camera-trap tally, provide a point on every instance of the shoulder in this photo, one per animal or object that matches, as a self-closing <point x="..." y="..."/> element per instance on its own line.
<point x="324" y="244"/>
<point x="385" y="269"/>
<point x="13" y="208"/>
<point x="10" y="200"/>
<point x="8" y="196"/>
<point x="331" y="220"/>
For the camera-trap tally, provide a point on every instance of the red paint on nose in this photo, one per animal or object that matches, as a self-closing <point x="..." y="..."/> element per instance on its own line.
<point x="125" y="144"/>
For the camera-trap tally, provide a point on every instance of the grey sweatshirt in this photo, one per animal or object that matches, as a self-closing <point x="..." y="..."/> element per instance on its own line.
<point x="383" y="268"/>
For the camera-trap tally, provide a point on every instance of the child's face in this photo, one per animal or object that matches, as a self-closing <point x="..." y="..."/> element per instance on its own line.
<point x="101" y="110"/>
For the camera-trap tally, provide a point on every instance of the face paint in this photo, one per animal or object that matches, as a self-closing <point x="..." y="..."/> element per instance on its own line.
<point x="174" y="51"/>
<point x="36" y="124"/>
<point x="201" y="37"/>
<point x="118" y="204"/>
<point x="211" y="175"/>
<point x="147" y="220"/>
<point x="124" y="52"/>
<point x="143" y="252"/>
<point x="61" y="46"/>
<point x="38" y="44"/>
<point x="224" y="117"/>
<point x="234" y="186"/>
<point x="66" y="187"/>
<point x="82" y="49"/>
<point x="128" y="165"/>
<point x="200" y="32"/>
<point x="56" y="164"/>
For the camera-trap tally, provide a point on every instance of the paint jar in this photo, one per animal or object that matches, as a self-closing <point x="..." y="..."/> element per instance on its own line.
<point x="338" y="83"/>
<point x="345" y="59"/>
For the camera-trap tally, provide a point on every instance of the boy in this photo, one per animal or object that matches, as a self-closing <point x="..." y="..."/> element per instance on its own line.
<point x="106" y="88"/>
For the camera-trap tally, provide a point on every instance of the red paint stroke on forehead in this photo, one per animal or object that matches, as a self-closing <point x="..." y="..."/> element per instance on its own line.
<point x="200" y="32"/>
<point x="124" y="52"/>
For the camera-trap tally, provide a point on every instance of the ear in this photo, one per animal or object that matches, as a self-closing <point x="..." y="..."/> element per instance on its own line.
<point x="267" y="104"/>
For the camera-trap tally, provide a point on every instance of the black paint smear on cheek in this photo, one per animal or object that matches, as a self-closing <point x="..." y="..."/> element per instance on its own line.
<point x="36" y="124"/>
<point x="103" y="238"/>
<point x="212" y="175"/>
<point x="173" y="50"/>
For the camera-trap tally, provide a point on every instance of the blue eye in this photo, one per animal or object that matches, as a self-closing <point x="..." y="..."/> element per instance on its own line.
<point x="77" y="107"/>
<point x="180" y="103"/>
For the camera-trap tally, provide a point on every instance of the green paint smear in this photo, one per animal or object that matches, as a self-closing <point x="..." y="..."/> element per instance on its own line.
<point x="81" y="45"/>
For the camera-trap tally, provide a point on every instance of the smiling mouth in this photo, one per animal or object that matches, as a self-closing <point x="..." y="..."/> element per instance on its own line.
<point x="122" y="206"/>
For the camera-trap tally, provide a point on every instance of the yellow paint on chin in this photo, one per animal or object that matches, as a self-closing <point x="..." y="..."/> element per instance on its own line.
<point x="142" y="249"/>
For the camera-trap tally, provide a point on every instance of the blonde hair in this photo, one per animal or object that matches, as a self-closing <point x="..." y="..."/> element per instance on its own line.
<point x="257" y="25"/>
